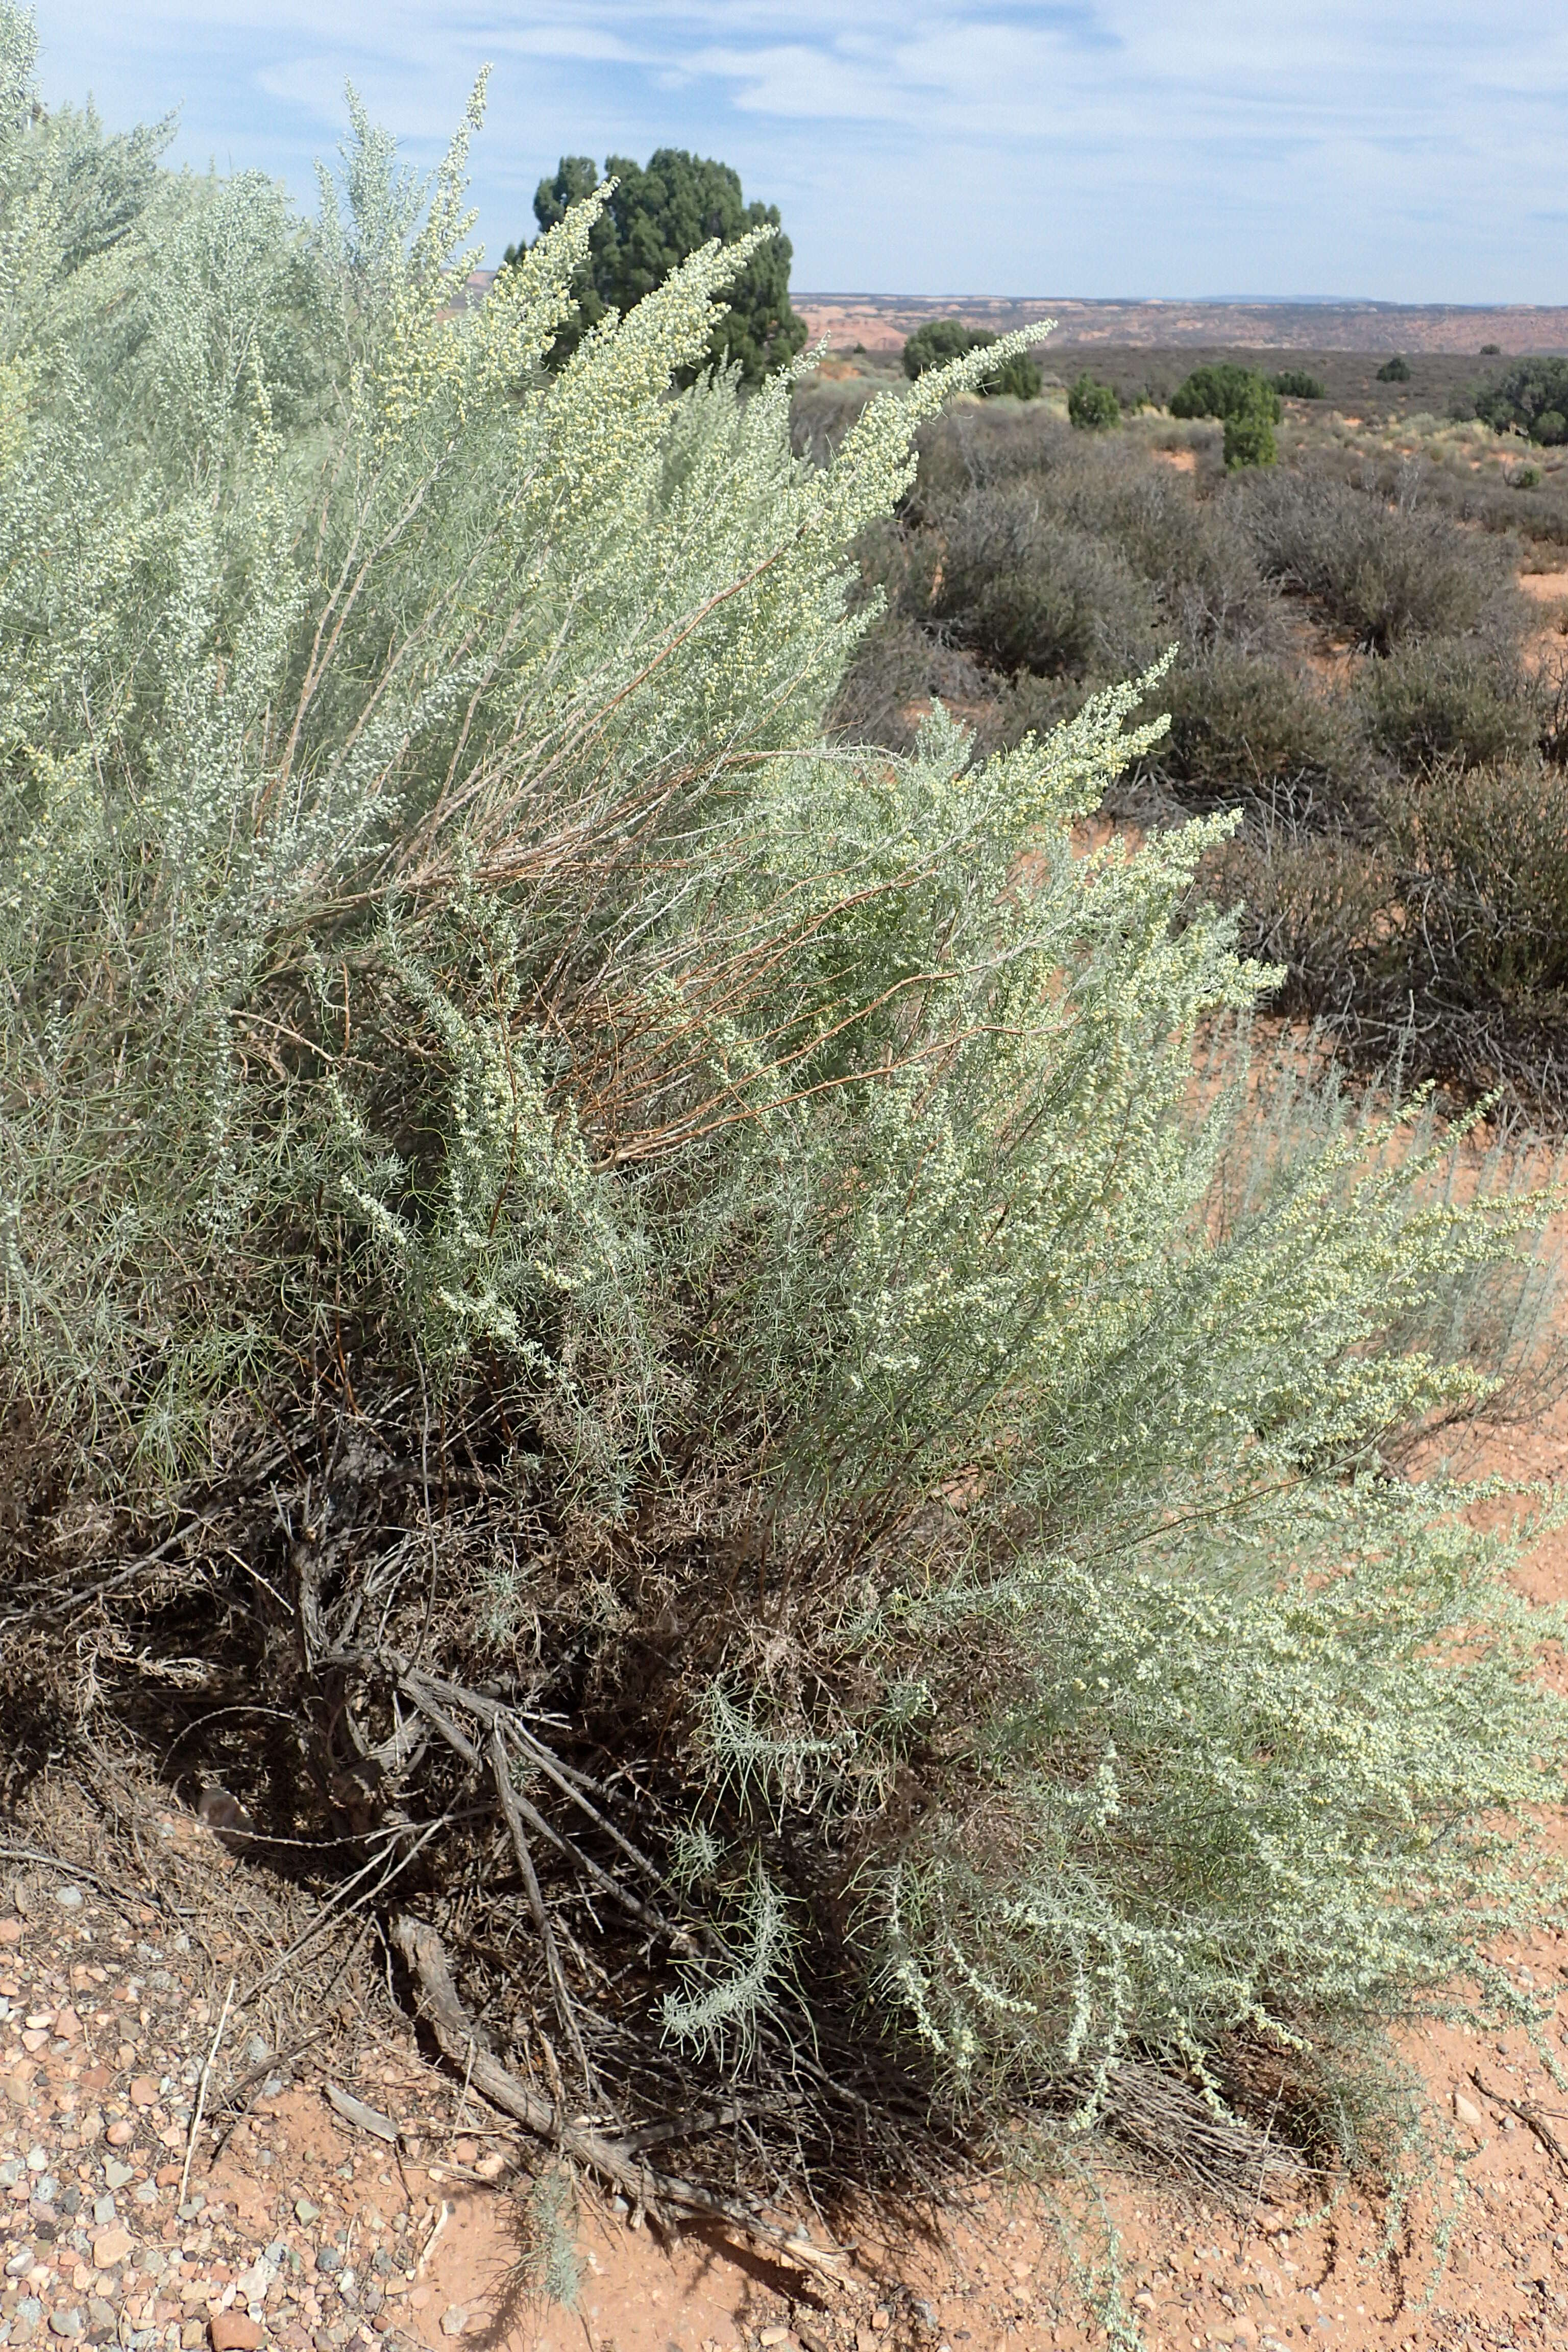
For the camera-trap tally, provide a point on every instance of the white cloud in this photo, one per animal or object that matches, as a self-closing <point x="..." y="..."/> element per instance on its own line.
<point x="986" y="145"/>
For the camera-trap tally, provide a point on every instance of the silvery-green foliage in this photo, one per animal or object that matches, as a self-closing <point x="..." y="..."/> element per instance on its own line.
<point x="439" y="943"/>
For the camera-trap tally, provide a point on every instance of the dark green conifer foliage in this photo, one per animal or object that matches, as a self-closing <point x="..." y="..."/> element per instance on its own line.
<point x="1092" y="407"/>
<point x="656" y="217"/>
<point x="1531" y="398"/>
<point x="941" y="339"/>
<point x="1226" y="391"/>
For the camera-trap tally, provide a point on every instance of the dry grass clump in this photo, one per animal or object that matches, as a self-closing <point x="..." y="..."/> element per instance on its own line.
<point x="1350" y="639"/>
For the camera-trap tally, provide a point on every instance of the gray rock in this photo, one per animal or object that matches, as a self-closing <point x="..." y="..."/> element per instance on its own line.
<point x="103" y="2211"/>
<point x="329" y="2259"/>
<point x="30" y="2308"/>
<point x="100" y="2312"/>
<point x="11" y="2171"/>
<point x="45" y="2188"/>
<point x="68" y="2324"/>
<point x="69" y="1898"/>
<point x="118" y="2175"/>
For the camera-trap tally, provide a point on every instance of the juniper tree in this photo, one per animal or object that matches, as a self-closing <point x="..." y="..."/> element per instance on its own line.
<point x="660" y="1295"/>
<point x="652" y="218"/>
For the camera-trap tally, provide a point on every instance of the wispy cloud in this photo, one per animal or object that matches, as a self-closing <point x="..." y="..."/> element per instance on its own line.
<point x="1407" y="149"/>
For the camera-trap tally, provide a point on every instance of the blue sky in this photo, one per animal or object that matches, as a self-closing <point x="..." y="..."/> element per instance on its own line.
<point x="1405" y="150"/>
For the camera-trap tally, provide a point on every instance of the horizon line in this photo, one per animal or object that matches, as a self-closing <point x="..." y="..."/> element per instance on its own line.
<point x="1170" y="301"/>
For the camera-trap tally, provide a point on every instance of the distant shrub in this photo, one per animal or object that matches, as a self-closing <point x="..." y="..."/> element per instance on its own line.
<point x="939" y="340"/>
<point x="1525" y="477"/>
<point x="1092" y="407"/>
<point x="1226" y="391"/>
<point x="1383" y="571"/>
<point x="1443" y="939"/>
<point x="653" y="220"/>
<point x="1394" y="370"/>
<point x="1019" y="378"/>
<point x="1531" y="398"/>
<point x="1025" y="591"/>
<point x="1248" y="441"/>
<point x="1248" y="731"/>
<point x="1297" y="384"/>
<point x="1441" y="700"/>
<point x="1490" y="351"/>
<point x="1200" y="565"/>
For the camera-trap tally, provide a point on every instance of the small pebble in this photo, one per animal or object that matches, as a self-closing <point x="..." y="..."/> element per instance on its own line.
<point x="68" y="1898"/>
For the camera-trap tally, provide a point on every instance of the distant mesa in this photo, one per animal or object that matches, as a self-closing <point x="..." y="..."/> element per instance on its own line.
<point x="882" y="322"/>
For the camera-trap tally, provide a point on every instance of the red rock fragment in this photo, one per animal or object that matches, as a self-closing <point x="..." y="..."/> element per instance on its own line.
<point x="232" y="2331"/>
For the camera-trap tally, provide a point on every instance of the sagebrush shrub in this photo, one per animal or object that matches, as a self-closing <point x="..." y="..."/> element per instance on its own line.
<point x="1028" y="591"/>
<point x="1440" y="934"/>
<point x="1447" y="699"/>
<point x="525" y="1172"/>
<point x="1247" y="730"/>
<point x="1384" y="570"/>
